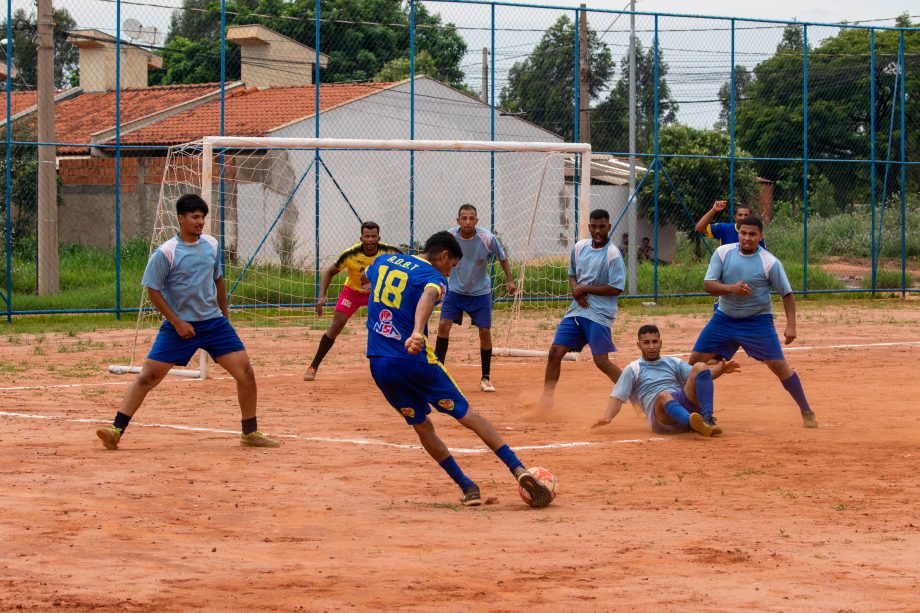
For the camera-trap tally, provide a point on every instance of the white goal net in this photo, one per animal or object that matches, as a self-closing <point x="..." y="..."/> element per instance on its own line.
<point x="283" y="210"/>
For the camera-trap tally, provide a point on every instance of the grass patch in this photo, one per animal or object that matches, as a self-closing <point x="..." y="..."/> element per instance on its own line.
<point x="888" y="279"/>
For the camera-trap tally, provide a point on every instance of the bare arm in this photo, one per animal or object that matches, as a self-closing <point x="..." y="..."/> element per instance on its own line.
<point x="717" y="288"/>
<point x="183" y="328"/>
<point x="222" y="297"/>
<point x="580" y="297"/>
<point x="506" y="268"/>
<point x="416" y="342"/>
<point x="789" y="307"/>
<point x="613" y="408"/>
<point x="717" y="207"/>
<point x="330" y="272"/>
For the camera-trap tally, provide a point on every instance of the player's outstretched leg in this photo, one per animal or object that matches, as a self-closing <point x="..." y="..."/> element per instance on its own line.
<point x="701" y="391"/>
<point x="441" y="454"/>
<point x="339" y="319"/>
<point x="150" y="376"/>
<point x="603" y="363"/>
<point x="484" y="429"/>
<point x="790" y="381"/>
<point x="238" y="365"/>
<point x="551" y="376"/>
<point x="485" y="355"/>
<point x="682" y="416"/>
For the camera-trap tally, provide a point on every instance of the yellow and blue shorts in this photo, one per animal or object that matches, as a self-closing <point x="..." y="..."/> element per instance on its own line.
<point x="412" y="387"/>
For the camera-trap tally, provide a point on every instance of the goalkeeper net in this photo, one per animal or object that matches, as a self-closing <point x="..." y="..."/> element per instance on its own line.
<point x="283" y="210"/>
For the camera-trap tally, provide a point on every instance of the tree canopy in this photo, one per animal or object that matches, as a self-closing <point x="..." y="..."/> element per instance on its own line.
<point x="610" y="119"/>
<point x="542" y="87"/>
<point x="25" y="52"/>
<point x="359" y="36"/>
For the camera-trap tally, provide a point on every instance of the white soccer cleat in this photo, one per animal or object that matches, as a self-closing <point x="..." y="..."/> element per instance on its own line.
<point x="486" y="385"/>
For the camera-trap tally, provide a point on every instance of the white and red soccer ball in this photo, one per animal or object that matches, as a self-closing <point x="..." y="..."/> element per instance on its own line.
<point x="546" y="478"/>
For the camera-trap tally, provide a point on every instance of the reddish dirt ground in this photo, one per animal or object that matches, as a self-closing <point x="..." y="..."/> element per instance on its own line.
<point x="770" y="516"/>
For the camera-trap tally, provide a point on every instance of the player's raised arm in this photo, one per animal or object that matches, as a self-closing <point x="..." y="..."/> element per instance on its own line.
<point x="717" y="207"/>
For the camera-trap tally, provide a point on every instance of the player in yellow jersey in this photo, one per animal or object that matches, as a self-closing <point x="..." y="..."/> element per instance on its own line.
<point x="354" y="294"/>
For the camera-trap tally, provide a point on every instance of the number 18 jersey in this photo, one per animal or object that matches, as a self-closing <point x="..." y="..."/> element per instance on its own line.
<point x="397" y="283"/>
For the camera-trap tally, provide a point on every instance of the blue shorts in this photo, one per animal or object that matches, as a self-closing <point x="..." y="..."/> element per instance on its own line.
<point x="576" y="332"/>
<point x="756" y="335"/>
<point x="479" y="309"/>
<point x="412" y="387"/>
<point x="662" y="424"/>
<point x="216" y="336"/>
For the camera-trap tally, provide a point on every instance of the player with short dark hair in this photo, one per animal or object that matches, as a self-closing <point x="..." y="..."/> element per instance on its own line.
<point x="185" y="282"/>
<point x="741" y="275"/>
<point x="675" y="396"/>
<point x="597" y="276"/>
<point x="405" y="292"/>
<point x="470" y="289"/>
<point x="353" y="295"/>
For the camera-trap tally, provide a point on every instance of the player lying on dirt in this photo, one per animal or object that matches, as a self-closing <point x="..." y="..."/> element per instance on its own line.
<point x="674" y="396"/>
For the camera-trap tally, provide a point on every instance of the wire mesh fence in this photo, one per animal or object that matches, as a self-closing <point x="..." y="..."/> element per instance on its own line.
<point x="813" y="127"/>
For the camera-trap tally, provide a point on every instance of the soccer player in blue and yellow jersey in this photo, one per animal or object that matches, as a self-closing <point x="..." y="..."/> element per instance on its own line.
<point x="674" y="396"/>
<point x="471" y="289"/>
<point x="185" y="281"/>
<point x="353" y="295"/>
<point x="741" y="275"/>
<point x="405" y="290"/>
<point x="597" y="276"/>
<point x="725" y="233"/>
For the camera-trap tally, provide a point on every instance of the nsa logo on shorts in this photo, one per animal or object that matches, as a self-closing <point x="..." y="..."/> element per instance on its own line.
<point x="447" y="404"/>
<point x="408" y="412"/>
<point x="346" y="303"/>
<point x="385" y="325"/>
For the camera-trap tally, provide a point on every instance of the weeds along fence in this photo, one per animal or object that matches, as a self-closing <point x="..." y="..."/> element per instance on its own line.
<point x="815" y="127"/>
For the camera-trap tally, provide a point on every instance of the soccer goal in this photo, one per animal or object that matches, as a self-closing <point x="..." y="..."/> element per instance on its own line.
<point x="283" y="209"/>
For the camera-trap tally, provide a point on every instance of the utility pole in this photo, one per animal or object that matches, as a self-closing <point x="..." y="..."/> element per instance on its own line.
<point x="47" y="155"/>
<point x="584" y="71"/>
<point x="485" y="75"/>
<point x="633" y="218"/>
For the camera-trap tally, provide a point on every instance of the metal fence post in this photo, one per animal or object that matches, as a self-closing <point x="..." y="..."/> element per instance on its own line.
<point x="9" y="158"/>
<point x="903" y="68"/>
<point x="411" y="125"/>
<point x="117" y="160"/>
<point x="316" y="160"/>
<point x="874" y="263"/>
<point x="731" y="132"/>
<point x="657" y="164"/>
<point x="805" y="157"/>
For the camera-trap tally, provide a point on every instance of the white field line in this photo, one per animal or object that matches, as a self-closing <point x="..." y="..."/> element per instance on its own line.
<point x="327" y="439"/>
<point x="184" y="380"/>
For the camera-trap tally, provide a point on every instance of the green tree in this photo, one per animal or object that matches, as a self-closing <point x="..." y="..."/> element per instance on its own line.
<point x="700" y="181"/>
<point x="610" y="120"/>
<point x="25" y="53"/>
<point x="542" y="87"/>
<point x="770" y="121"/>
<point x="359" y="36"/>
<point x="742" y="79"/>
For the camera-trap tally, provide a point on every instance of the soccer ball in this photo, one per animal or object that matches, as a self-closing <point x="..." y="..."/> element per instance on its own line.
<point x="543" y="476"/>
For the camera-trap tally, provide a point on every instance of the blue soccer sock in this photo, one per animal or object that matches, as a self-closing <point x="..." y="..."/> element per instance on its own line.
<point x="704" y="393"/>
<point x="507" y="456"/>
<point x="794" y="387"/>
<point x="677" y="412"/>
<point x="450" y="466"/>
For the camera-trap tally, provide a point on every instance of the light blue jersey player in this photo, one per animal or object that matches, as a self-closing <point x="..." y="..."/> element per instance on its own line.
<point x="185" y="282"/>
<point x="471" y="289"/>
<point x="597" y="276"/>
<point x="675" y="396"/>
<point x="742" y="275"/>
<point x="404" y="292"/>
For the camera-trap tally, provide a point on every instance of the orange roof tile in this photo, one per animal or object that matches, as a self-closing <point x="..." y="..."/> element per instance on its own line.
<point x="78" y="117"/>
<point x="249" y="112"/>
<point x="19" y="101"/>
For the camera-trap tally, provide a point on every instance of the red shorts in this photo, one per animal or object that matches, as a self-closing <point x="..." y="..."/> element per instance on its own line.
<point x="351" y="300"/>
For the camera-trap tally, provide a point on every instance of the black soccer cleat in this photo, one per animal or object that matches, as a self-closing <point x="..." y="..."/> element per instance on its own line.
<point x="471" y="497"/>
<point x="539" y="493"/>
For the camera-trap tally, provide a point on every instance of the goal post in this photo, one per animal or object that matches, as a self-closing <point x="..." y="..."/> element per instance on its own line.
<point x="283" y="209"/>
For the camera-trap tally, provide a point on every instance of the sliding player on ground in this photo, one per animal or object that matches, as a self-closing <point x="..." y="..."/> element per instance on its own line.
<point x="405" y="292"/>
<point x="741" y="275"/>
<point x="470" y="289"/>
<point x="675" y="396"/>
<point x="185" y="281"/>
<point x="353" y="295"/>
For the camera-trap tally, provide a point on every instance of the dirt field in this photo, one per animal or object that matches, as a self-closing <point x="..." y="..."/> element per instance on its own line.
<point x="351" y="514"/>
